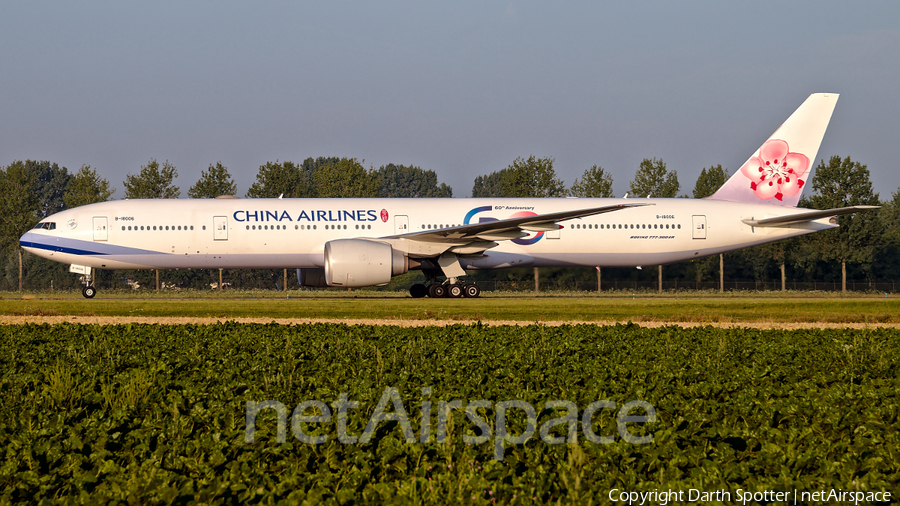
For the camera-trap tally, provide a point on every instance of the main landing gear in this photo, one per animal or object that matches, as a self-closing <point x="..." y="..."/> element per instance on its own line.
<point x="447" y="267"/>
<point x="451" y="288"/>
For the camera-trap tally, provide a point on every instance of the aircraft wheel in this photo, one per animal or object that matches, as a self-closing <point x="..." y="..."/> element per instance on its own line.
<point x="454" y="291"/>
<point x="472" y="291"/>
<point x="89" y="292"/>
<point x="418" y="291"/>
<point x="437" y="291"/>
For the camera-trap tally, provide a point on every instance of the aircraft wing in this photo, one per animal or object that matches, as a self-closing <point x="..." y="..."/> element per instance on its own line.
<point x="512" y="228"/>
<point x="791" y="219"/>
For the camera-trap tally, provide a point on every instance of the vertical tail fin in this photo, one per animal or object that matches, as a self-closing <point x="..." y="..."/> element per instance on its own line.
<point x="780" y="168"/>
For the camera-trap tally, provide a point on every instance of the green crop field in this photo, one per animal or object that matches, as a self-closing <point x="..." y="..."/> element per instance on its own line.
<point x="158" y="414"/>
<point x="742" y="308"/>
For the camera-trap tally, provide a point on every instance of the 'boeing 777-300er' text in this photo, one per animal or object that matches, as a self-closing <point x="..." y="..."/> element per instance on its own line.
<point x="364" y="242"/>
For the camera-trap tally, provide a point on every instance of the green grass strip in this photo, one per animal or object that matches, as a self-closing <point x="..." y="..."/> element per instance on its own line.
<point x="527" y="309"/>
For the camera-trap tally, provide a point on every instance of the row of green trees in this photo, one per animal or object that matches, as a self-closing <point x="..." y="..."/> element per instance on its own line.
<point x="536" y="177"/>
<point x="313" y="178"/>
<point x="865" y="247"/>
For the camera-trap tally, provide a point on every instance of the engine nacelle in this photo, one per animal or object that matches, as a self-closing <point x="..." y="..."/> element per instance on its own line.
<point x="314" y="278"/>
<point x="358" y="262"/>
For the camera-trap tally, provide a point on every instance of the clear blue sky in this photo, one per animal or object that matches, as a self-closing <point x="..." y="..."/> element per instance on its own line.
<point x="462" y="88"/>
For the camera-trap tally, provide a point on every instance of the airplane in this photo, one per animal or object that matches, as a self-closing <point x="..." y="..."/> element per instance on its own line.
<point x="365" y="242"/>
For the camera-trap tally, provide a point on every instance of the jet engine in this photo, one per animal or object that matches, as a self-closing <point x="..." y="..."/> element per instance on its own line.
<point x="358" y="262"/>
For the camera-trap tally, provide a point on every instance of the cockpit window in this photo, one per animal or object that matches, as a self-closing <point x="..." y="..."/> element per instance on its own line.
<point x="47" y="225"/>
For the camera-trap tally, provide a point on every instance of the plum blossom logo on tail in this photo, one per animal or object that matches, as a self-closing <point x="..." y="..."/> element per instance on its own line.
<point x="776" y="172"/>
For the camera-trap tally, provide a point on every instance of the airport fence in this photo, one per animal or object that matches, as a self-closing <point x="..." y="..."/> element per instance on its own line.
<point x="273" y="280"/>
<point x="889" y="286"/>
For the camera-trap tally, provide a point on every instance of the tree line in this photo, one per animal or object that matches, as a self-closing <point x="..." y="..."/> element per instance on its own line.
<point x="866" y="247"/>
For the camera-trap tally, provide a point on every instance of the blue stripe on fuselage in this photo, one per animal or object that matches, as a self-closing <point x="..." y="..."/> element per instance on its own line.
<point x="77" y="247"/>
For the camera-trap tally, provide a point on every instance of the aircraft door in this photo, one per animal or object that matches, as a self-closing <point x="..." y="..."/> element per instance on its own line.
<point x="401" y="225"/>
<point x="552" y="234"/>
<point x="100" y="228"/>
<point x="220" y="228"/>
<point x="699" y="226"/>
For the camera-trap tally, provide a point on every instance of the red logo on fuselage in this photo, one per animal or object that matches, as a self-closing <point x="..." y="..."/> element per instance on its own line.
<point x="384" y="215"/>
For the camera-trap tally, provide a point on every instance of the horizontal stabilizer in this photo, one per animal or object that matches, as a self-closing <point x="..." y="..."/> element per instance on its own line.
<point x="791" y="219"/>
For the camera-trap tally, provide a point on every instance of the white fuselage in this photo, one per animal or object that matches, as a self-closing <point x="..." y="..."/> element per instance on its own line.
<point x="292" y="233"/>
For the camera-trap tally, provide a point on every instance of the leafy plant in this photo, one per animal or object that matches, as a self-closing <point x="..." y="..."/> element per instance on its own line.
<point x="152" y="413"/>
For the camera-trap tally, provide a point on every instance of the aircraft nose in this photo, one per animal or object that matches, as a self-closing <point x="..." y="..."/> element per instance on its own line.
<point x="27" y="240"/>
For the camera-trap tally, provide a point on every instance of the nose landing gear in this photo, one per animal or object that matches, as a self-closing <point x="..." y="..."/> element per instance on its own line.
<point x="88" y="291"/>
